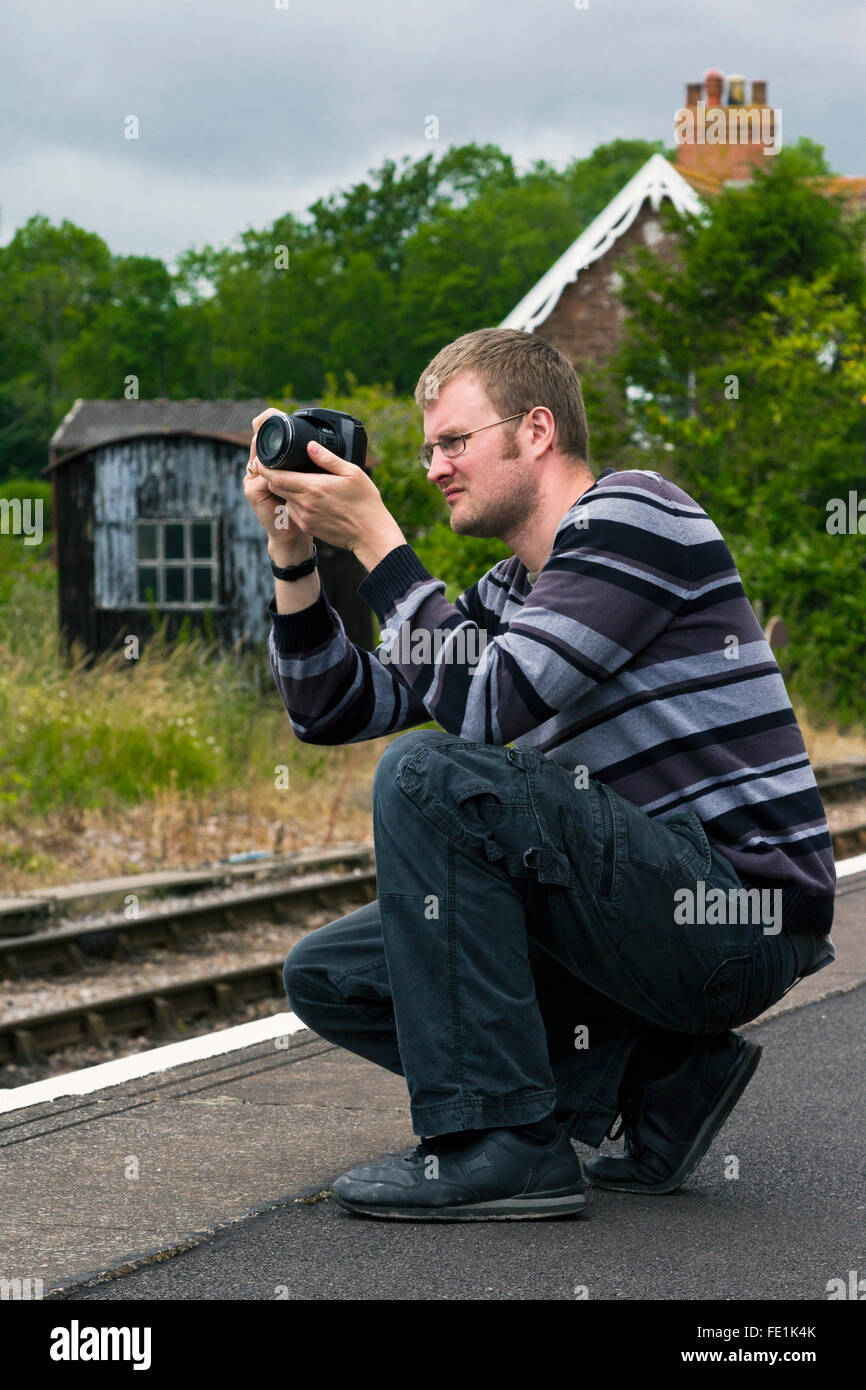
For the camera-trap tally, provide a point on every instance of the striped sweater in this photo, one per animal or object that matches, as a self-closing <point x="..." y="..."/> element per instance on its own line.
<point x="634" y="654"/>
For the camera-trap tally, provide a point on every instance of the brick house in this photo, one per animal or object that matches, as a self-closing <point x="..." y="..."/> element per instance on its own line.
<point x="575" y="304"/>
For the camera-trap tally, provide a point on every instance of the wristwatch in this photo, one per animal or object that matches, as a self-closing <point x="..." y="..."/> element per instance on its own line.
<point x="291" y="572"/>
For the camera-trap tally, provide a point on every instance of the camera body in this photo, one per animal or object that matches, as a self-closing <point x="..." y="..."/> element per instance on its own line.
<point x="282" y="440"/>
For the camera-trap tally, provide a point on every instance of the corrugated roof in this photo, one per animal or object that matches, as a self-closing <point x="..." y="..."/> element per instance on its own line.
<point x="92" y="423"/>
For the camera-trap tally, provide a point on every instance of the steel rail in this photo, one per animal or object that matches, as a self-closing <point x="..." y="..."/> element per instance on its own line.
<point x="67" y="949"/>
<point x="165" y="1010"/>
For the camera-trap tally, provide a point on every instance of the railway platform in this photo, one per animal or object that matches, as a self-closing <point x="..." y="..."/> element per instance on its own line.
<point x="208" y="1179"/>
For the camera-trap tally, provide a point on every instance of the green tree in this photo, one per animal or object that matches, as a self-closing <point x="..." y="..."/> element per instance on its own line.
<point x="776" y="432"/>
<point x="133" y="332"/>
<point x="741" y="376"/>
<point x="749" y="243"/>
<point x="52" y="280"/>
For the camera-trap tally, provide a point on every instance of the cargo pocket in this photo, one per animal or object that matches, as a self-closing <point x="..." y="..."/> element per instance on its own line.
<point x="727" y="992"/>
<point x="676" y="847"/>
<point x="484" y="802"/>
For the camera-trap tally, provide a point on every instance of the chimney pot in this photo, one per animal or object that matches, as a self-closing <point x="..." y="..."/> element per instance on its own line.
<point x="736" y="90"/>
<point x="759" y="92"/>
<point x="693" y="93"/>
<point x="713" y="79"/>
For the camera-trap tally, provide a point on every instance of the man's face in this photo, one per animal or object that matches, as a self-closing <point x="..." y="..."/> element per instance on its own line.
<point x="491" y="490"/>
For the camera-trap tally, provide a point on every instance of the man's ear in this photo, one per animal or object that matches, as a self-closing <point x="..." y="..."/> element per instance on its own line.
<point x="543" y="424"/>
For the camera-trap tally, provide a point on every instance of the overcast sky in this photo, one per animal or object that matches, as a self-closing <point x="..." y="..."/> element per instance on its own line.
<point x="247" y="108"/>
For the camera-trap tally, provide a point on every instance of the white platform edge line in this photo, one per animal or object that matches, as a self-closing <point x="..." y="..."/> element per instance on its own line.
<point x="857" y="865"/>
<point x="106" y="1074"/>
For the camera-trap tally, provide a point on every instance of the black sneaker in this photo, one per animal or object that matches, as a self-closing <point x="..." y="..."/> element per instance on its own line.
<point x="496" y="1176"/>
<point x="670" y="1123"/>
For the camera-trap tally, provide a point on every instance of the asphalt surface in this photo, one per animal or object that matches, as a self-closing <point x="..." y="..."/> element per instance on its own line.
<point x="793" y="1219"/>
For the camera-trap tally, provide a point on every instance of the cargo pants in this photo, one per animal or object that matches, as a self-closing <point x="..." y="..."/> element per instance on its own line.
<point x="526" y="940"/>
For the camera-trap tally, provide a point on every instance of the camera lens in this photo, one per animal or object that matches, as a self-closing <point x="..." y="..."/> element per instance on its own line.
<point x="272" y="441"/>
<point x="271" y="436"/>
<point x="282" y="442"/>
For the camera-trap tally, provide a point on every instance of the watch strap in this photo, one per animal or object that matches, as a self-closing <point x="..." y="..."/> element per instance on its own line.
<point x="290" y="572"/>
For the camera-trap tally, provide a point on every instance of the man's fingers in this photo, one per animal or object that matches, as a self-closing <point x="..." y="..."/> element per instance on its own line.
<point x="271" y="410"/>
<point x="288" y="481"/>
<point x="325" y="459"/>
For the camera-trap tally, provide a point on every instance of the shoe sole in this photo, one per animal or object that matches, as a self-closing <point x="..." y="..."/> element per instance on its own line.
<point x="739" y="1078"/>
<point x="508" y="1209"/>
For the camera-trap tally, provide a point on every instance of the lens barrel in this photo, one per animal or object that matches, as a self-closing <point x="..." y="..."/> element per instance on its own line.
<point x="282" y="443"/>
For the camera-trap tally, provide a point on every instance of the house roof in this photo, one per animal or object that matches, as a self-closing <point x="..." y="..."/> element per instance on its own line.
<point x="851" y="186"/>
<point x="656" y="180"/>
<point x="90" y="424"/>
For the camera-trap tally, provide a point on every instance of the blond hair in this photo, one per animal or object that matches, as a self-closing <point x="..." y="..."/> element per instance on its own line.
<point x="517" y="371"/>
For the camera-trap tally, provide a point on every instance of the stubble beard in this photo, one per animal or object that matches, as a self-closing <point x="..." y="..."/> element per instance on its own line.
<point x="505" y="514"/>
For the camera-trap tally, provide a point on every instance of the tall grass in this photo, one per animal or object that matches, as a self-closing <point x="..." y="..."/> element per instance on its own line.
<point x="179" y="745"/>
<point x="116" y="766"/>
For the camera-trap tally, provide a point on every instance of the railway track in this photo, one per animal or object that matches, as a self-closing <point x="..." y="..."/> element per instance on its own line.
<point x="165" y="1012"/>
<point x="68" y="948"/>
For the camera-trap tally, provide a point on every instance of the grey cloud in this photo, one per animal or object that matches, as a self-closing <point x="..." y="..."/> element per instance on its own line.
<point x="247" y="110"/>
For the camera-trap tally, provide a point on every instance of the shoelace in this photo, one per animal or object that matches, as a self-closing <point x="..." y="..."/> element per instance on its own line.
<point x="628" y="1098"/>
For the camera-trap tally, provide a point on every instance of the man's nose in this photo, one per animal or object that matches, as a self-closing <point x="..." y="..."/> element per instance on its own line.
<point x="440" y="469"/>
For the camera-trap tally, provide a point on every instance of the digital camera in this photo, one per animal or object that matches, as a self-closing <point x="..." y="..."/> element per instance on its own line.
<point x="282" y="440"/>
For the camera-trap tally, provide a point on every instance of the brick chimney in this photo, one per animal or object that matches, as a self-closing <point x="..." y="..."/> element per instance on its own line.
<point x="713" y="81"/>
<point x="720" y="135"/>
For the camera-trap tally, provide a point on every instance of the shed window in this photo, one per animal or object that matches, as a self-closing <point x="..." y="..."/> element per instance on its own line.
<point x="176" y="562"/>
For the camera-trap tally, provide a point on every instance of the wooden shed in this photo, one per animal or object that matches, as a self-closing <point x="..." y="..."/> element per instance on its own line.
<point x="148" y="508"/>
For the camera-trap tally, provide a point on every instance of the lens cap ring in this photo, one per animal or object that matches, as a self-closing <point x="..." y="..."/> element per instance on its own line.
<point x="274" y="441"/>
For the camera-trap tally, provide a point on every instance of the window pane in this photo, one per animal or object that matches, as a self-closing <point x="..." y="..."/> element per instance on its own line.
<point x="172" y="539"/>
<point x="201" y="540"/>
<point x="145" y="537"/>
<point x="202" y="584"/>
<point x="174" y="590"/>
<point x="147" y="580"/>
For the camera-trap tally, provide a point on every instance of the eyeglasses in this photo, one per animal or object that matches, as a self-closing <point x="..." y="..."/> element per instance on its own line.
<point x="454" y="444"/>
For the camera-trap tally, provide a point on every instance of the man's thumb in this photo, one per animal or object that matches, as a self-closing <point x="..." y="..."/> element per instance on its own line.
<point x="325" y="459"/>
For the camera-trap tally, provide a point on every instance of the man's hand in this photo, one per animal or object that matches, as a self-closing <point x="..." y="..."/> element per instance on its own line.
<point x="342" y="506"/>
<point x="286" y="542"/>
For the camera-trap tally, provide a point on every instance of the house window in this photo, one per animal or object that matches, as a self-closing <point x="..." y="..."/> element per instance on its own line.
<point x="176" y="563"/>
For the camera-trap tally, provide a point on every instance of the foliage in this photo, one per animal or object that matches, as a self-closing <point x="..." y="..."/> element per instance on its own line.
<point x="371" y="281"/>
<point x="109" y="734"/>
<point x="742" y="376"/>
<point x="767" y="288"/>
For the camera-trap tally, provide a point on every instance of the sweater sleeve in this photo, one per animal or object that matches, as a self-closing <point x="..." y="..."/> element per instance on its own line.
<point x="335" y="692"/>
<point x="618" y="572"/>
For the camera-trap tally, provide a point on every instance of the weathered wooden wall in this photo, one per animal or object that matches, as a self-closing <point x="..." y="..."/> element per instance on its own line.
<point x="101" y="494"/>
<point x="73" y="513"/>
